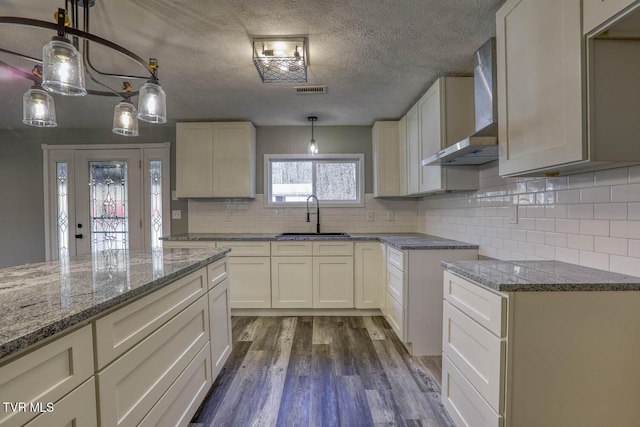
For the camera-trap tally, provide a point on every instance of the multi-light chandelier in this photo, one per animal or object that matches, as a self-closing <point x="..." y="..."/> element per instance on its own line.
<point x="62" y="71"/>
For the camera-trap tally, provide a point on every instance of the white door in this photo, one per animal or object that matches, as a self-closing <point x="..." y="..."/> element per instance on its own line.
<point x="108" y="200"/>
<point x="104" y="198"/>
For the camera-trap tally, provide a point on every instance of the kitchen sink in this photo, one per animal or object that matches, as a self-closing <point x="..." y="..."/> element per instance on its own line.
<point x="313" y="234"/>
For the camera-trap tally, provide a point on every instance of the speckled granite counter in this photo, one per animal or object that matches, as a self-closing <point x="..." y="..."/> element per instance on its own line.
<point x="39" y="300"/>
<point x="512" y="276"/>
<point x="408" y="241"/>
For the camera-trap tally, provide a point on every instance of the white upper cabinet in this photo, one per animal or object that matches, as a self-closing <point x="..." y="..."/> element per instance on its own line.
<point x="386" y="159"/>
<point x="413" y="151"/>
<point x="216" y="159"/>
<point x="566" y="103"/>
<point x="402" y="159"/>
<point x="597" y="12"/>
<point x="445" y="117"/>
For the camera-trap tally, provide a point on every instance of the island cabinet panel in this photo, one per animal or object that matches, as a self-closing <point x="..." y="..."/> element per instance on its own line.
<point x="130" y="387"/>
<point x="119" y="331"/>
<point x="77" y="409"/>
<point x="178" y="405"/>
<point x="220" y="325"/>
<point x="46" y="374"/>
<point x="217" y="272"/>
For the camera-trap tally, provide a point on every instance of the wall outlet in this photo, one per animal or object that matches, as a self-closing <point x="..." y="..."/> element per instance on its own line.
<point x="176" y="214"/>
<point x="513" y="218"/>
<point x="389" y="215"/>
<point x="369" y="216"/>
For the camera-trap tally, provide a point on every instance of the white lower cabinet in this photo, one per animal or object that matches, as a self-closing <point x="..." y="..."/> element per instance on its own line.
<point x="333" y="282"/>
<point x="78" y="408"/>
<point x="366" y="264"/>
<point x="383" y="278"/>
<point x="251" y="286"/>
<point x="220" y="325"/>
<point x="291" y="282"/>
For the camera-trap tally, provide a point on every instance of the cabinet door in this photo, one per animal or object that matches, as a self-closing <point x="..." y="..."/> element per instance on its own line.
<point x="596" y="12"/>
<point x="220" y="326"/>
<point x="414" y="158"/>
<point x="367" y="275"/>
<point x="539" y="47"/>
<point x="234" y="159"/>
<point x="386" y="162"/>
<point x="77" y="408"/>
<point x="333" y="282"/>
<point x="291" y="282"/>
<point x="251" y="282"/>
<point x="383" y="277"/>
<point x="402" y="156"/>
<point x="194" y="152"/>
<point x="430" y="111"/>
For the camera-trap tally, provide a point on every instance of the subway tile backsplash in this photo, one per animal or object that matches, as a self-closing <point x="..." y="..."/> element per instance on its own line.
<point x="591" y="219"/>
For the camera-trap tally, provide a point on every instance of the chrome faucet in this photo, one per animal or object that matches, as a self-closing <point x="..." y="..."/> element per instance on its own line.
<point x="316" y="213"/>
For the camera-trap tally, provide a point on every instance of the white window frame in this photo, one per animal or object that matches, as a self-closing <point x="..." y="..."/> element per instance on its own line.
<point x="359" y="161"/>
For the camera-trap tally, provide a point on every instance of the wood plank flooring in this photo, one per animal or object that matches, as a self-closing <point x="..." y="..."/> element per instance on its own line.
<point x="322" y="372"/>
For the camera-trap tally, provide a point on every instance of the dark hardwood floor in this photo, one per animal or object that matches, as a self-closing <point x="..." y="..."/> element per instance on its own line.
<point x="322" y="372"/>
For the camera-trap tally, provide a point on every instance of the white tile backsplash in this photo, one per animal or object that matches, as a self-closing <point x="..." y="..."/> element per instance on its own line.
<point x="591" y="219"/>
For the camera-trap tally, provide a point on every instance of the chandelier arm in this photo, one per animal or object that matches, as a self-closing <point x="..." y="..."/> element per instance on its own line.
<point x="87" y="54"/>
<point x="93" y="79"/>
<point x="29" y="58"/>
<point x="79" y="33"/>
<point x="20" y="73"/>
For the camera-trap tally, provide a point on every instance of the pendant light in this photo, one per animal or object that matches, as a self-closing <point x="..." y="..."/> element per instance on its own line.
<point x="125" y="119"/>
<point x="38" y="108"/>
<point x="62" y="69"/>
<point x="152" y="103"/>
<point x="313" y="145"/>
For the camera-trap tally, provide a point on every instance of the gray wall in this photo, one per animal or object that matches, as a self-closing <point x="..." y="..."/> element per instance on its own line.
<point x="22" y="194"/>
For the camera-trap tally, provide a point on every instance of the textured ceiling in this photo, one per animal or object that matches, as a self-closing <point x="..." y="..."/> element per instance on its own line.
<point x="375" y="56"/>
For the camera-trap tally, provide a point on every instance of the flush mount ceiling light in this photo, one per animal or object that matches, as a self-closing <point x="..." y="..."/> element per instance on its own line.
<point x="280" y="59"/>
<point x="63" y="72"/>
<point x="313" y="145"/>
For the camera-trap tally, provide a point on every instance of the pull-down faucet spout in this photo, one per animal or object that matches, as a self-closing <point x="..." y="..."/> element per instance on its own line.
<point x="316" y="213"/>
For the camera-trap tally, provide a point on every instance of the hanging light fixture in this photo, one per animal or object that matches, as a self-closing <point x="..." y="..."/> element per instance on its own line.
<point x="313" y="145"/>
<point x="64" y="69"/>
<point x="125" y="119"/>
<point x="280" y="59"/>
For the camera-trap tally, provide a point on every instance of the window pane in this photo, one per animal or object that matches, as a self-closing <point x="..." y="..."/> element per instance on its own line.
<point x="291" y="181"/>
<point x="155" y="176"/>
<point x="336" y="181"/>
<point x="109" y="206"/>
<point x="63" y="209"/>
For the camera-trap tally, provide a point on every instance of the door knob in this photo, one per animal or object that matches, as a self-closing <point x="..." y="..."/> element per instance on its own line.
<point x="79" y="236"/>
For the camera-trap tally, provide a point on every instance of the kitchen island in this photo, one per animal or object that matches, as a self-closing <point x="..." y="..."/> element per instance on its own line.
<point x="540" y="343"/>
<point x="117" y="338"/>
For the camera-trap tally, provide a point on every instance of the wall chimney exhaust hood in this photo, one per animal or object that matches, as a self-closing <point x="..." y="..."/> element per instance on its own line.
<point x="482" y="146"/>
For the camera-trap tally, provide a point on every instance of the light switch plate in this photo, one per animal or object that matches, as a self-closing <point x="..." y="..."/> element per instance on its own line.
<point x="369" y="216"/>
<point x="389" y="215"/>
<point x="176" y="214"/>
<point x="514" y="215"/>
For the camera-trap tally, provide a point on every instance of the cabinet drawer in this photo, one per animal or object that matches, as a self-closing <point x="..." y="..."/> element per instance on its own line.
<point x="476" y="352"/>
<point x="125" y="327"/>
<point x="332" y="248"/>
<point x="462" y="401"/>
<point x="46" y="374"/>
<point x="181" y="401"/>
<point x="169" y="244"/>
<point x="395" y="283"/>
<point x="292" y="248"/>
<point x="395" y="317"/>
<point x="395" y="258"/>
<point x="485" y="307"/>
<point x="596" y="12"/>
<point x="78" y="408"/>
<point x="131" y="386"/>
<point x="246" y="248"/>
<point x="217" y="272"/>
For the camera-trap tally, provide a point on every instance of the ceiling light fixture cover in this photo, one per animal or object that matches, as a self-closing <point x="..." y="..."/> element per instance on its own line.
<point x="313" y="145"/>
<point x="38" y="108"/>
<point x="281" y="59"/>
<point x="62" y="69"/>
<point x="152" y="103"/>
<point x="125" y="119"/>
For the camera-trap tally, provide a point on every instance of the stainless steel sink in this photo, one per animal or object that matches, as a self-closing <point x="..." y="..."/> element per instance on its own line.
<point x="313" y="235"/>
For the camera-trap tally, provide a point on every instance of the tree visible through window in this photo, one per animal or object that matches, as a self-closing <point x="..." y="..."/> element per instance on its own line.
<point x="330" y="179"/>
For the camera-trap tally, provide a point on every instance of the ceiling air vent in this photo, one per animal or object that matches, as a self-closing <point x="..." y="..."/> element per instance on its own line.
<point x="311" y="90"/>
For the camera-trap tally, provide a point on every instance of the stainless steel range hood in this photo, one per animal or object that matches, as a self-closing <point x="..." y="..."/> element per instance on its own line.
<point x="482" y="146"/>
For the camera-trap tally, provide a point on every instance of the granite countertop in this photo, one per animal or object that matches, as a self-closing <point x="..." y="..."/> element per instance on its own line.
<point x="513" y="276"/>
<point x="402" y="241"/>
<point x="39" y="300"/>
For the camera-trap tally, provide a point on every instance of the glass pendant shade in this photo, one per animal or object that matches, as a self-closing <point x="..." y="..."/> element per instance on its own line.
<point x="62" y="69"/>
<point x="152" y="103"/>
<point x="125" y="119"/>
<point x="38" y="108"/>
<point x="313" y="147"/>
